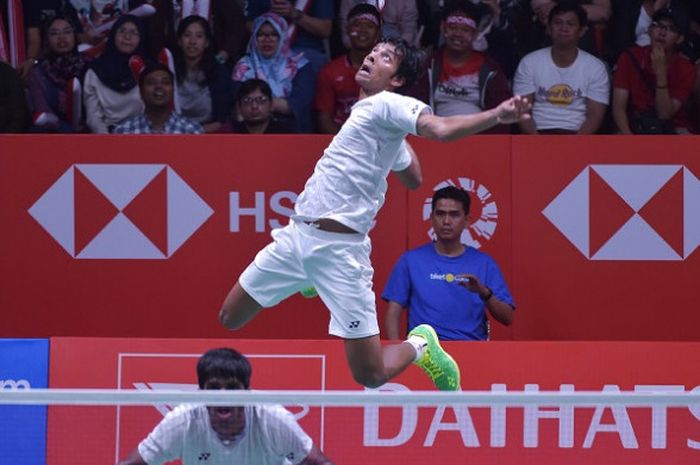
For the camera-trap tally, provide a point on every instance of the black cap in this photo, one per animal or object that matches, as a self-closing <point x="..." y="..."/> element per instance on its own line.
<point x="676" y="15"/>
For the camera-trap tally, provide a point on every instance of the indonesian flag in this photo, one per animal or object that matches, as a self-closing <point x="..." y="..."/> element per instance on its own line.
<point x="165" y="57"/>
<point x="4" y="46"/>
<point x="73" y="102"/>
<point x="12" y="36"/>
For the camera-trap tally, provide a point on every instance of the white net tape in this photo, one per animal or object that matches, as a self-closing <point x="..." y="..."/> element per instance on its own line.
<point x="348" y="398"/>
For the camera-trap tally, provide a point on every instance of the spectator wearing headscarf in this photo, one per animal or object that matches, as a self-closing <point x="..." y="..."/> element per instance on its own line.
<point x="111" y="93"/>
<point x="269" y="58"/>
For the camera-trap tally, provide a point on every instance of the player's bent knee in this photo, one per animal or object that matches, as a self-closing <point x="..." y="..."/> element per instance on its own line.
<point x="238" y="308"/>
<point x="370" y="380"/>
<point x="228" y="320"/>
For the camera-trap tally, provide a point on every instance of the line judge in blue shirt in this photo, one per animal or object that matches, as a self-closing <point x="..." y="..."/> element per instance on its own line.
<point x="445" y="283"/>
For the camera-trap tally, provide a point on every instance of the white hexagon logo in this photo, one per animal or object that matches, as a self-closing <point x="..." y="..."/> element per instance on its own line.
<point x="120" y="211"/>
<point x="630" y="212"/>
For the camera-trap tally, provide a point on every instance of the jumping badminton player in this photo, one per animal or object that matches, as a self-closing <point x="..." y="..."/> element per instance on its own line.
<point x="326" y="243"/>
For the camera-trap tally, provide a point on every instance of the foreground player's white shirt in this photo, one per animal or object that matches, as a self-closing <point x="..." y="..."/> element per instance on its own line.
<point x="349" y="182"/>
<point x="271" y="437"/>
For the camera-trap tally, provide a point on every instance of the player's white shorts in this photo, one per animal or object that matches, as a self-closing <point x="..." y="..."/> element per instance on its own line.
<point x="336" y="264"/>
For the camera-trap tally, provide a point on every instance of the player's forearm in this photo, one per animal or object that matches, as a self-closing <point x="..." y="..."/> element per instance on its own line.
<point x="448" y="128"/>
<point x="411" y="177"/>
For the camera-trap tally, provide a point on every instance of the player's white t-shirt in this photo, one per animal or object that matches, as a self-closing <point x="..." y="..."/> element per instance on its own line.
<point x="349" y="182"/>
<point x="271" y="437"/>
<point x="561" y="93"/>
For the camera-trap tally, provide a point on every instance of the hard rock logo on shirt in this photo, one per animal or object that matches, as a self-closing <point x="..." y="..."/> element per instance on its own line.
<point x="559" y="94"/>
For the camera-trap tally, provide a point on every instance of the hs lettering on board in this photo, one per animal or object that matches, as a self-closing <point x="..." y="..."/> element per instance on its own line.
<point x="281" y="203"/>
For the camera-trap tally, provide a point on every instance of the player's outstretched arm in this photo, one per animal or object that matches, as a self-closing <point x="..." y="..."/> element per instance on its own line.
<point x="447" y="128"/>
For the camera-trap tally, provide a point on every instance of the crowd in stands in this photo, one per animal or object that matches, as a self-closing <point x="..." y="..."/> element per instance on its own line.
<point x="288" y="66"/>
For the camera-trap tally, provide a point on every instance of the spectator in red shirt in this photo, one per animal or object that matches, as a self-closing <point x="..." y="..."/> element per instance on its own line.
<point x="462" y="80"/>
<point x="652" y="84"/>
<point x="336" y="89"/>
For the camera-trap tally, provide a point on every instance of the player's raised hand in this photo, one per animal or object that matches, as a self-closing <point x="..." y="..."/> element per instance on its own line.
<point x="513" y="110"/>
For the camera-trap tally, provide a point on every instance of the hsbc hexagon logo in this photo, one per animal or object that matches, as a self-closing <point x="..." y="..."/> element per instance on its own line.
<point x="120" y="211"/>
<point x="630" y="212"/>
<point x="482" y="204"/>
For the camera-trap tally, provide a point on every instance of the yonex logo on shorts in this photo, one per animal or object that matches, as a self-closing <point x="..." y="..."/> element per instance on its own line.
<point x="630" y="212"/>
<point x="120" y="211"/>
<point x="483" y="228"/>
<point x="204" y="456"/>
<point x="354" y="324"/>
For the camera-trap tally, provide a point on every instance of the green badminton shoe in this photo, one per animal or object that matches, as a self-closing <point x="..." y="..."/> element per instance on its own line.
<point x="309" y="292"/>
<point x="437" y="363"/>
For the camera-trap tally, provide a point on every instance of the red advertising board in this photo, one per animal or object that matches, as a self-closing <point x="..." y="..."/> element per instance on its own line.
<point x="542" y="435"/>
<point x="144" y="236"/>
<point x="604" y="238"/>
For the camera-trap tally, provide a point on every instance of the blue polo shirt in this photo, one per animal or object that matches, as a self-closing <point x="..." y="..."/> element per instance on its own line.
<point x="423" y="282"/>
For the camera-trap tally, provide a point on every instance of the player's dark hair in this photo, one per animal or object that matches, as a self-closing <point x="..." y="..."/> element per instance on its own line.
<point x="566" y="6"/>
<point x="223" y="364"/>
<point x="411" y="64"/>
<point x="454" y="193"/>
<point x="250" y="86"/>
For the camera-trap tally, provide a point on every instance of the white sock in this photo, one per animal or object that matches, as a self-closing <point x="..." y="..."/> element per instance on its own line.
<point x="419" y="345"/>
